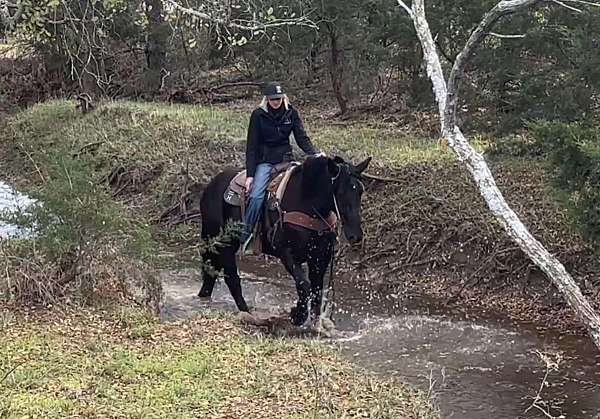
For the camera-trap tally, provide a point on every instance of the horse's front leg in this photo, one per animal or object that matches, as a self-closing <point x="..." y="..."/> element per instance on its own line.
<point x="210" y="268"/>
<point x="318" y="265"/>
<point x="299" y="314"/>
<point x="232" y="278"/>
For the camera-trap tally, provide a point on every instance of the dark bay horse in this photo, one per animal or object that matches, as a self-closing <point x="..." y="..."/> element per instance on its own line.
<point x="316" y="188"/>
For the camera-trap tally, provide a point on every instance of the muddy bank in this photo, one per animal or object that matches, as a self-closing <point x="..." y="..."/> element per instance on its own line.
<point x="428" y="230"/>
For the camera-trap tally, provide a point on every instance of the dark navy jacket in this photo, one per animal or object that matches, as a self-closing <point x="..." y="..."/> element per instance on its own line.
<point x="269" y="137"/>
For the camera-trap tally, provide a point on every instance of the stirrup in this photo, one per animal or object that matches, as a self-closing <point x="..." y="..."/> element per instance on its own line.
<point x="244" y="246"/>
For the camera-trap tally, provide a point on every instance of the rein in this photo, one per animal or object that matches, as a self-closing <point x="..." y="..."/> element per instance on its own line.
<point x="328" y="291"/>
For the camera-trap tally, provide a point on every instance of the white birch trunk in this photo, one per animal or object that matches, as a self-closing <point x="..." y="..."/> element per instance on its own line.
<point x="476" y="164"/>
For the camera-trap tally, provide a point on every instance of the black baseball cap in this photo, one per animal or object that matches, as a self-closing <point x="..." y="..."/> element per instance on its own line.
<point x="273" y="90"/>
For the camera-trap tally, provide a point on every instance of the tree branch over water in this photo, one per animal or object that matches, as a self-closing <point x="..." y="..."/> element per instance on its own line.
<point x="447" y="95"/>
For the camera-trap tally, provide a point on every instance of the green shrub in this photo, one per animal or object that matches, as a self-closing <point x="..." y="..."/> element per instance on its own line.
<point x="574" y="151"/>
<point x="516" y="145"/>
<point x="79" y="228"/>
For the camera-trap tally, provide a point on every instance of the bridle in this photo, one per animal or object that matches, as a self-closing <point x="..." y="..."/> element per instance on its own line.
<point x="327" y="292"/>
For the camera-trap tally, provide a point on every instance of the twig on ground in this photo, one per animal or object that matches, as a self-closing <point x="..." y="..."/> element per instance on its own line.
<point x="381" y="179"/>
<point x="10" y="371"/>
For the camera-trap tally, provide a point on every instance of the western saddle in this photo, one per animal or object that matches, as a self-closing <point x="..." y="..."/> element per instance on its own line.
<point x="280" y="176"/>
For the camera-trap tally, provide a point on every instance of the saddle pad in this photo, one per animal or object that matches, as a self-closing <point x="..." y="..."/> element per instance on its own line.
<point x="275" y="188"/>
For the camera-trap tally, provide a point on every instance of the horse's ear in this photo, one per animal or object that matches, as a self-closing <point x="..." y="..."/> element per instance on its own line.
<point x="360" y="167"/>
<point x="338" y="160"/>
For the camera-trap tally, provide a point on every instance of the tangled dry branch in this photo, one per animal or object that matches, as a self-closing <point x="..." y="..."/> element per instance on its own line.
<point x="10" y="12"/>
<point x="218" y="13"/>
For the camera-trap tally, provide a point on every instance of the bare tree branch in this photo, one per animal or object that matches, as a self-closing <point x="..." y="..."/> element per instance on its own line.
<point x="244" y="25"/>
<point x="560" y="3"/>
<point x="405" y="7"/>
<point x="499" y="35"/>
<point x="10" y="371"/>
<point x="503" y="8"/>
<point x="552" y="362"/>
<point x="584" y="2"/>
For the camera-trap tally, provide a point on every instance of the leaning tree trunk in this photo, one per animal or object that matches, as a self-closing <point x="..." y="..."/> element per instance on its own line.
<point x="156" y="45"/>
<point x="447" y="98"/>
<point x="336" y="69"/>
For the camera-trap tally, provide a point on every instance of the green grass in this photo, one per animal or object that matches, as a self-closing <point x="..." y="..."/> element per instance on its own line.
<point x="148" y="135"/>
<point x="119" y="133"/>
<point x="90" y="364"/>
<point x="385" y="146"/>
<point x="141" y="147"/>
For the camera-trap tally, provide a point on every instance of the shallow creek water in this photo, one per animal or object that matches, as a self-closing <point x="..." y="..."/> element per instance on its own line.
<point x="12" y="201"/>
<point x="475" y="365"/>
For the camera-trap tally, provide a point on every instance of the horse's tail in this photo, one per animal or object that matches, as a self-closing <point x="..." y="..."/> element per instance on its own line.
<point x="212" y="204"/>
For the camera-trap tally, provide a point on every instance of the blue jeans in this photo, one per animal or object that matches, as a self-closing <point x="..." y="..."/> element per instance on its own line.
<point x="256" y="198"/>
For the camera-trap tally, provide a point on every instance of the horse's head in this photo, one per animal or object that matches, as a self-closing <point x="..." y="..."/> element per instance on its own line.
<point x="348" y="190"/>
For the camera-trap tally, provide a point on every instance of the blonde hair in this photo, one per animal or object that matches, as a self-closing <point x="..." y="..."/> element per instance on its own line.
<point x="265" y="101"/>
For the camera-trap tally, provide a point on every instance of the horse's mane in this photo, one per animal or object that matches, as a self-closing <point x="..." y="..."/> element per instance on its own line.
<point x="314" y="171"/>
<point x="316" y="181"/>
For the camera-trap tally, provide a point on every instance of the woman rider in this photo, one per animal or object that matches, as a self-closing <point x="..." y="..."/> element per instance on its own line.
<point x="268" y="144"/>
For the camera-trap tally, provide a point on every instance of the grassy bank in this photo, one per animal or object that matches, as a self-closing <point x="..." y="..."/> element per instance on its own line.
<point x="119" y="362"/>
<point x="145" y="149"/>
<point x="425" y="225"/>
<point x="161" y="138"/>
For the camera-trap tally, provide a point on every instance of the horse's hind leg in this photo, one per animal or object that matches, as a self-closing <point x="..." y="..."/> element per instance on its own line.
<point x="232" y="279"/>
<point x="210" y="268"/>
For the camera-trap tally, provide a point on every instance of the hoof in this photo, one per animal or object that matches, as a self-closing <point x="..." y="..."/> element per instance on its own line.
<point x="204" y="299"/>
<point x="325" y="327"/>
<point x="245" y="308"/>
<point x="204" y="294"/>
<point x="246" y="318"/>
<point x="298" y="316"/>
